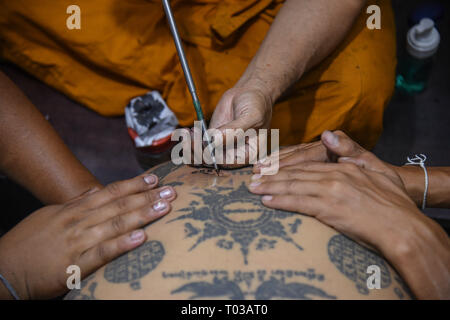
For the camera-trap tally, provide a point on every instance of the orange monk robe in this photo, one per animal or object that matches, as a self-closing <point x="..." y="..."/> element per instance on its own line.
<point x="124" y="49"/>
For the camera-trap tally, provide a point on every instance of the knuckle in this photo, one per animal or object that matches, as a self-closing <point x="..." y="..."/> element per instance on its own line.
<point x="341" y="134"/>
<point x="114" y="188"/>
<point x="292" y="184"/>
<point x="335" y="185"/>
<point x="122" y="204"/>
<point x="259" y="114"/>
<point x="102" y="252"/>
<point x="97" y="233"/>
<point x="118" y="224"/>
<point x="367" y="157"/>
<point x="76" y="233"/>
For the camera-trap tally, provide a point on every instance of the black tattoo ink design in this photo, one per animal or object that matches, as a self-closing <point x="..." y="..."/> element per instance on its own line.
<point x="242" y="172"/>
<point x="399" y="293"/>
<point x="190" y="230"/>
<point x="279" y="289"/>
<point x="76" y="294"/>
<point x="403" y="287"/>
<point x="222" y="219"/>
<point x="352" y="260"/>
<point x="164" y="170"/>
<point x="224" y="244"/>
<point x="135" y="264"/>
<point x="267" y="290"/>
<point x="247" y="276"/>
<point x="174" y="184"/>
<point x="294" y="226"/>
<point x="264" y="243"/>
<point x="217" y="288"/>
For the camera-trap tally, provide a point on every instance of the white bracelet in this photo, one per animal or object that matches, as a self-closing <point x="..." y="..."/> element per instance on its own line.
<point x="419" y="160"/>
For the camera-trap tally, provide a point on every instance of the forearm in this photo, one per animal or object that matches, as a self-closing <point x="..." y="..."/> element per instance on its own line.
<point x="438" y="195"/>
<point x="32" y="153"/>
<point x="421" y="254"/>
<point x="302" y="35"/>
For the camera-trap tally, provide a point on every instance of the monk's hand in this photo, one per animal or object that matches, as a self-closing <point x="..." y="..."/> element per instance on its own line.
<point x="88" y="231"/>
<point x="243" y="107"/>
<point x="368" y="206"/>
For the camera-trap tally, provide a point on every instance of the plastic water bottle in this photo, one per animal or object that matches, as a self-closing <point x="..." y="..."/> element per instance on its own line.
<point x="414" y="68"/>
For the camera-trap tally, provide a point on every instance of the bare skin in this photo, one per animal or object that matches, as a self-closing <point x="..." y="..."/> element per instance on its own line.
<point x="88" y="231"/>
<point x="289" y="50"/>
<point x="220" y="242"/>
<point x="33" y="155"/>
<point x="366" y="199"/>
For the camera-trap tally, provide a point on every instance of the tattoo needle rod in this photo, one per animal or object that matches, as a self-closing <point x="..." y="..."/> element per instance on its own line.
<point x="188" y="77"/>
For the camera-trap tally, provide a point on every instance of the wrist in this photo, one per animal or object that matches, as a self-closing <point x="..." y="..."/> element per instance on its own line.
<point x="260" y="80"/>
<point x="414" y="181"/>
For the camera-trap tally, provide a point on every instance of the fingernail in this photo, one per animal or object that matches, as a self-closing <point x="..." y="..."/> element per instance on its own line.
<point x="331" y="138"/>
<point x="166" y="193"/>
<point x="255" y="184"/>
<point x="150" y="179"/>
<point x="159" y="206"/>
<point x="137" y="235"/>
<point x="256" y="177"/>
<point x="267" y="198"/>
<point x="344" y="158"/>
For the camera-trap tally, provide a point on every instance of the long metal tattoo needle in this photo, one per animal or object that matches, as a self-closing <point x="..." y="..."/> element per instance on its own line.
<point x="188" y="77"/>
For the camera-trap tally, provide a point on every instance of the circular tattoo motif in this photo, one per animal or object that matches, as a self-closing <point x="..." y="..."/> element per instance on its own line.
<point x="352" y="260"/>
<point x="237" y="217"/>
<point x="221" y="213"/>
<point x="135" y="264"/>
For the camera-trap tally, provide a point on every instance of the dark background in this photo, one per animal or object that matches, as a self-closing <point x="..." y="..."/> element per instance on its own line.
<point x="418" y="124"/>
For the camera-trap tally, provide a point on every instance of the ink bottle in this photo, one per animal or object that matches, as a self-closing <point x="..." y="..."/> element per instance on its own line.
<point x="415" y="66"/>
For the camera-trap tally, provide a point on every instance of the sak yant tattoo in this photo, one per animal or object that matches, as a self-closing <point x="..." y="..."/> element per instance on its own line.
<point x="132" y="266"/>
<point x="260" y="284"/>
<point x="220" y="216"/>
<point x="164" y="170"/>
<point x="402" y="292"/>
<point x="77" y="294"/>
<point x="352" y="260"/>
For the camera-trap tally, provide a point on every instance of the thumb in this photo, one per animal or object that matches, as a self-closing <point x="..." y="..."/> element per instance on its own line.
<point x="366" y="160"/>
<point x="339" y="144"/>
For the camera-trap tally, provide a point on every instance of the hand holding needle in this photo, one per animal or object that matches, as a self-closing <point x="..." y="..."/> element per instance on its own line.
<point x="188" y="77"/>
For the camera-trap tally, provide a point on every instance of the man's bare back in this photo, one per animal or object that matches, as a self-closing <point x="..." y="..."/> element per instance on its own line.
<point x="220" y="242"/>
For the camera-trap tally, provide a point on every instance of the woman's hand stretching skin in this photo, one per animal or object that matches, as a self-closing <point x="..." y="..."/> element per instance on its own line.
<point x="88" y="231"/>
<point x="338" y="147"/>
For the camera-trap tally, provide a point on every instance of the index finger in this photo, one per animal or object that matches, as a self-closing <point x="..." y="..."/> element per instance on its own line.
<point x="120" y="189"/>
